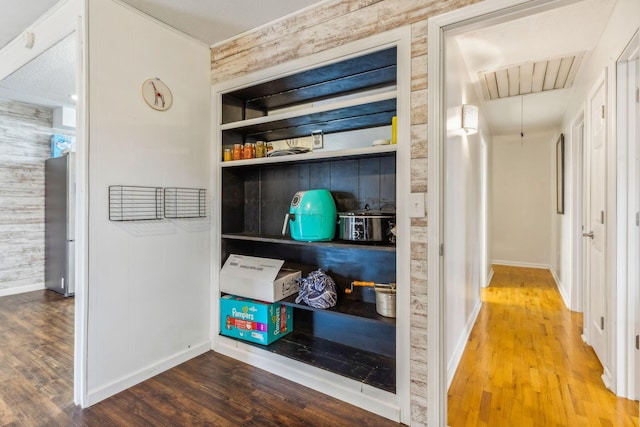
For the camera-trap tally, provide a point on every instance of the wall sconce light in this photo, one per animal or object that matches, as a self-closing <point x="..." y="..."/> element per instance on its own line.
<point x="469" y="119"/>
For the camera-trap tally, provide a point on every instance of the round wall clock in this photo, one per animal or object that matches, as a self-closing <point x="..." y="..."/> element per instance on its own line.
<point x="157" y="94"/>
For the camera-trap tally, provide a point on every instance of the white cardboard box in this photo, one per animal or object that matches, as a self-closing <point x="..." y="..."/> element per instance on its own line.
<point x="262" y="279"/>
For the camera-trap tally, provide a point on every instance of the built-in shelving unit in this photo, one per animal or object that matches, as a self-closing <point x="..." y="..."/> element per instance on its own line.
<point x="354" y="95"/>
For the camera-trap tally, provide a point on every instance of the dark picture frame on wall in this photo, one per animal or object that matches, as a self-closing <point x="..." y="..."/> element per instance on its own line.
<point x="560" y="175"/>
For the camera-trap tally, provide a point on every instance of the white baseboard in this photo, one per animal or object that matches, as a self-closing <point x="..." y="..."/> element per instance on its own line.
<point x="21" y="289"/>
<point x="521" y="264"/>
<point x="453" y="363"/>
<point x="607" y="379"/>
<point x="563" y="292"/>
<point x="350" y="391"/>
<point x="108" y="390"/>
<point x="489" y="278"/>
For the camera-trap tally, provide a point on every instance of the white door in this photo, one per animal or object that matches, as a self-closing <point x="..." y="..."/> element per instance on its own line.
<point x="635" y="133"/>
<point x="596" y="217"/>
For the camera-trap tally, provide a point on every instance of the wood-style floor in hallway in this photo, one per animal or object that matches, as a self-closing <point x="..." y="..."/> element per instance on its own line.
<point x="525" y="363"/>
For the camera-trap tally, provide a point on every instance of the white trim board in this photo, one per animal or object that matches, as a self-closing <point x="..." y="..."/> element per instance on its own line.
<point x="454" y="362"/>
<point x="521" y="264"/>
<point x="489" y="277"/>
<point x="21" y="289"/>
<point x="99" y="394"/>
<point x="628" y="232"/>
<point x="563" y="293"/>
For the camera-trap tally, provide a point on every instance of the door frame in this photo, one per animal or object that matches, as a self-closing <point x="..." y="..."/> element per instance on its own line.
<point x="626" y="125"/>
<point x="62" y="20"/>
<point x="578" y="290"/>
<point x="463" y="19"/>
<point x="467" y="18"/>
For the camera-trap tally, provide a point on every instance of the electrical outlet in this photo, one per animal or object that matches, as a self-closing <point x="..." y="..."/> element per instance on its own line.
<point x="317" y="142"/>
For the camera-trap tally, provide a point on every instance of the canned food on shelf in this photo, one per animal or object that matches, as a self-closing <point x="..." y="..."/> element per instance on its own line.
<point x="237" y="152"/>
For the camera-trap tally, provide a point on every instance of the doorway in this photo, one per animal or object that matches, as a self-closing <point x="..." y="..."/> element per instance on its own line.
<point x="45" y="88"/>
<point x="628" y="131"/>
<point x="440" y="28"/>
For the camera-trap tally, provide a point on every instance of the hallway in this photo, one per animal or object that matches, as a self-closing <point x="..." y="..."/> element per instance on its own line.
<point x="525" y="363"/>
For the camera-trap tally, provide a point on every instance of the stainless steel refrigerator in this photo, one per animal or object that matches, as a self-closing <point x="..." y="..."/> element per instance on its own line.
<point x="59" y="230"/>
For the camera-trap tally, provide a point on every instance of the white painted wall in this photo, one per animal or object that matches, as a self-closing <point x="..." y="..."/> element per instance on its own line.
<point x="522" y="199"/>
<point x="148" y="282"/>
<point x="464" y="212"/>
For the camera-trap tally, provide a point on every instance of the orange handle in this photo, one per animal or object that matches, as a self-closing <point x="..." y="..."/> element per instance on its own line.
<point x="358" y="283"/>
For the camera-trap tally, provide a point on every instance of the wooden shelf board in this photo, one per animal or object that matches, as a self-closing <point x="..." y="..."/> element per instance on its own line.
<point x="355" y="103"/>
<point x="287" y="241"/>
<point x="346" y="76"/>
<point x="369" y="368"/>
<point x="314" y="156"/>
<point x="363" y="310"/>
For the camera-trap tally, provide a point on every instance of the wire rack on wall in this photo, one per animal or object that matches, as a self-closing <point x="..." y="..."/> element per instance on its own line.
<point x="185" y="202"/>
<point x="134" y="203"/>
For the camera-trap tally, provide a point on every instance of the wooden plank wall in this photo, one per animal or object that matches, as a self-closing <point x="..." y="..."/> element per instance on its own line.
<point x="25" y="135"/>
<point x="332" y="24"/>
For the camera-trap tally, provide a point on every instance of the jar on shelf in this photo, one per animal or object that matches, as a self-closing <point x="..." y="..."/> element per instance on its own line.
<point x="237" y="151"/>
<point x="394" y="130"/>
<point x="269" y="147"/>
<point x="261" y="149"/>
<point x="248" y="151"/>
<point x="227" y="155"/>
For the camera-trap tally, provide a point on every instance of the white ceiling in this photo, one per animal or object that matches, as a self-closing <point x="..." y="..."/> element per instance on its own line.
<point x="551" y="34"/>
<point x="50" y="78"/>
<point x="19" y="14"/>
<point x="209" y="21"/>
<point x="212" y="21"/>
<point x="555" y="33"/>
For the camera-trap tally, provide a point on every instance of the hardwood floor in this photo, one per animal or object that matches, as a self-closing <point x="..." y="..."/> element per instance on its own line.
<point x="36" y="357"/>
<point x="526" y="365"/>
<point x="36" y="389"/>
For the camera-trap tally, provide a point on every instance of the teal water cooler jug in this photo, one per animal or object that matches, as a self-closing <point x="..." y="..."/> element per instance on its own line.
<point x="312" y="216"/>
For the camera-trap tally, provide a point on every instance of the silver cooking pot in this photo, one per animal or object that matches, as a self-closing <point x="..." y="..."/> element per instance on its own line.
<point x="367" y="226"/>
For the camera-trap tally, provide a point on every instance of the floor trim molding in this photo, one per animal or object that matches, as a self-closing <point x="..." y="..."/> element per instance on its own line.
<point x="453" y="363"/>
<point x="96" y="395"/>
<point x="21" y="289"/>
<point x="521" y="264"/>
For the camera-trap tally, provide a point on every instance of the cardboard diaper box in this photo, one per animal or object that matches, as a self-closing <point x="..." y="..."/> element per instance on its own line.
<point x="254" y="321"/>
<point x="261" y="279"/>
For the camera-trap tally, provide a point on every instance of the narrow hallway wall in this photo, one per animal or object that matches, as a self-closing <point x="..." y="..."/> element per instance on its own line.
<point x="522" y="199"/>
